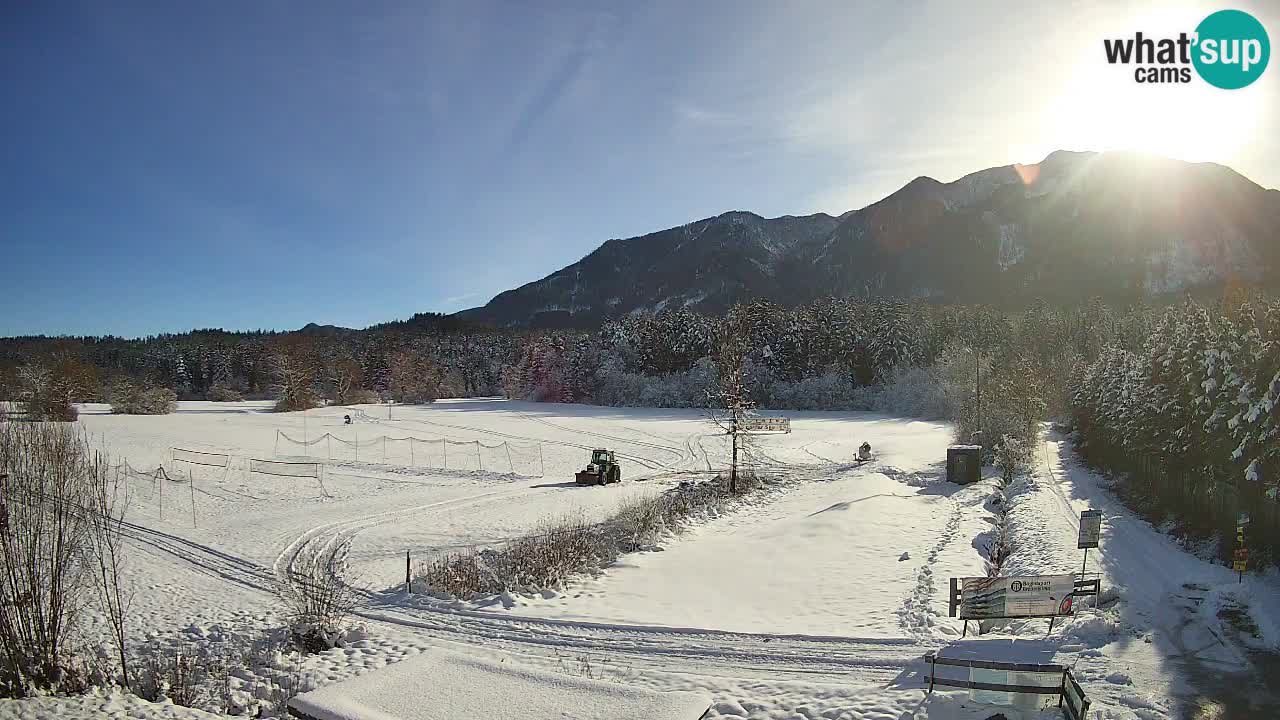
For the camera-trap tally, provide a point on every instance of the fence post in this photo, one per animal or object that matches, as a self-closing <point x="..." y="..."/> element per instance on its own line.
<point x="507" y="445"/>
<point x="356" y="435"/>
<point x="328" y="445"/>
<point x="408" y="581"/>
<point x="444" y="444"/>
<point x="412" y="463"/>
<point x="276" y="450"/>
<point x="384" y="443"/>
<point x="160" y="480"/>
<point x="191" y="481"/>
<point x="542" y="467"/>
<point x="479" y="459"/>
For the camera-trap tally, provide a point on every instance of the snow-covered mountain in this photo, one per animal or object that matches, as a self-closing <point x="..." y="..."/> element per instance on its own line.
<point x="1073" y="226"/>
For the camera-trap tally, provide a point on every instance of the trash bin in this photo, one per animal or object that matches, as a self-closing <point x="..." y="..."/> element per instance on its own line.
<point x="964" y="464"/>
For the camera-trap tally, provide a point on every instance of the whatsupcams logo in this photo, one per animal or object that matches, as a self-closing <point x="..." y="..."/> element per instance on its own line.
<point x="1229" y="49"/>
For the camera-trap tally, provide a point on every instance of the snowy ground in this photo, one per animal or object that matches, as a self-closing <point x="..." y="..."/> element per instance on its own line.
<point x="817" y="603"/>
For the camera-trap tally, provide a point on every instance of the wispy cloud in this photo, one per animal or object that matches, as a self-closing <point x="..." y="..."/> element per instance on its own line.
<point x="457" y="302"/>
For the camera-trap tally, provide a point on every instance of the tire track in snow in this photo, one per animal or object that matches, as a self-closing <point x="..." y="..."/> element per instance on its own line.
<point x="656" y="647"/>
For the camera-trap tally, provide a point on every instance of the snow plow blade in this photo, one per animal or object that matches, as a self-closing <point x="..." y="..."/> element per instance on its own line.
<point x="587" y="478"/>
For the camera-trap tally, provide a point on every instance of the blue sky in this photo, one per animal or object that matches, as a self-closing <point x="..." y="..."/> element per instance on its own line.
<point x="268" y="164"/>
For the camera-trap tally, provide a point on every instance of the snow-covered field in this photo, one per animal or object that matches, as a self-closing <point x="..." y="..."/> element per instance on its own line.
<point x="816" y="602"/>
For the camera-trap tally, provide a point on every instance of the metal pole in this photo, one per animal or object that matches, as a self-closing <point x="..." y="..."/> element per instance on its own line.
<point x="191" y="480"/>
<point x="328" y="445"/>
<point x="411" y="461"/>
<point x="479" y="458"/>
<point x="408" y="581"/>
<point x="542" y="467"/>
<point x="444" y="445"/>
<point x="977" y="381"/>
<point x="384" y="449"/>
<point x="507" y="445"/>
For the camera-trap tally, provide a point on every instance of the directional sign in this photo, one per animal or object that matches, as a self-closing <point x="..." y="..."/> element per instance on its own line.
<point x="765" y="425"/>
<point x="1240" y="565"/>
<point x="1090" y="529"/>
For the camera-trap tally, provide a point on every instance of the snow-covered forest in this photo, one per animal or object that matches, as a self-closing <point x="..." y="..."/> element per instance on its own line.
<point x="1191" y="387"/>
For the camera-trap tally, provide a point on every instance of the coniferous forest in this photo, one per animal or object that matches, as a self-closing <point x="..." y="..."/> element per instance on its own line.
<point x="1179" y="402"/>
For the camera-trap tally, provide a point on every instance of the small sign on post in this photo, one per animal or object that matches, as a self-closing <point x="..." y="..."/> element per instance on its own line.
<point x="1090" y="534"/>
<point x="1090" y="529"/>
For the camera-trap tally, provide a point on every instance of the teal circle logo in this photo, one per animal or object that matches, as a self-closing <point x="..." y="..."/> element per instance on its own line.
<point x="1232" y="49"/>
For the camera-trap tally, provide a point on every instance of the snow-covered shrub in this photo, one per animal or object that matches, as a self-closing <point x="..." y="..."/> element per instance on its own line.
<point x="1012" y="456"/>
<point x="570" y="546"/>
<point x="616" y="387"/>
<point x="223" y="393"/>
<point x="130" y="398"/>
<point x="912" y="391"/>
<point x="318" y="596"/>
<point x="544" y="559"/>
<point x="830" y="391"/>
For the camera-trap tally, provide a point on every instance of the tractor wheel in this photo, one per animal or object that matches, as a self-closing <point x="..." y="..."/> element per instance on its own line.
<point x="616" y="472"/>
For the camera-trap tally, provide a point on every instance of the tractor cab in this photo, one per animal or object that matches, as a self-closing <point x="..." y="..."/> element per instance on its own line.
<point x="602" y="469"/>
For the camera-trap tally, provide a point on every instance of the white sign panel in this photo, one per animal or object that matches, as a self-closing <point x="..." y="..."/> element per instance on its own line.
<point x="766" y="424"/>
<point x="1012" y="597"/>
<point x="271" y="467"/>
<point x="1090" y="529"/>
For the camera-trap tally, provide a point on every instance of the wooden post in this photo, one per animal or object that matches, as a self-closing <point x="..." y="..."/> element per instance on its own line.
<point x="733" y="469"/>
<point x="408" y="580"/>
<point x="160" y="476"/>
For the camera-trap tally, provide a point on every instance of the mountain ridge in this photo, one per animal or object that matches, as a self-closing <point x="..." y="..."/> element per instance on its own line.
<point x="1116" y="225"/>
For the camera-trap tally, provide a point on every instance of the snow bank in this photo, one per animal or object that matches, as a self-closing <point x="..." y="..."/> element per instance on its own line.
<point x="441" y="685"/>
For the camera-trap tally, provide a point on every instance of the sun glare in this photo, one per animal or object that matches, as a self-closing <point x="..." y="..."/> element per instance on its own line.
<point x="1101" y="107"/>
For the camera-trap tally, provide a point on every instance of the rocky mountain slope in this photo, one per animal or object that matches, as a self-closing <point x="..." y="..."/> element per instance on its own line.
<point x="1071" y="227"/>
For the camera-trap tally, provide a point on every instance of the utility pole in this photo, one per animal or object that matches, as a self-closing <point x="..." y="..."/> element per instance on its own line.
<point x="977" y="381"/>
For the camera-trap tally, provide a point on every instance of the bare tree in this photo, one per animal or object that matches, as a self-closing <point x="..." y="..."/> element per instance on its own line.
<point x="730" y="402"/>
<point x="345" y="379"/>
<point x="294" y="371"/>
<point x="57" y="513"/>
<point x="414" y="377"/>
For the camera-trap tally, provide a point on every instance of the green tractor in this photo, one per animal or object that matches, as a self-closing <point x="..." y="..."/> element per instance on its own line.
<point x="602" y="469"/>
